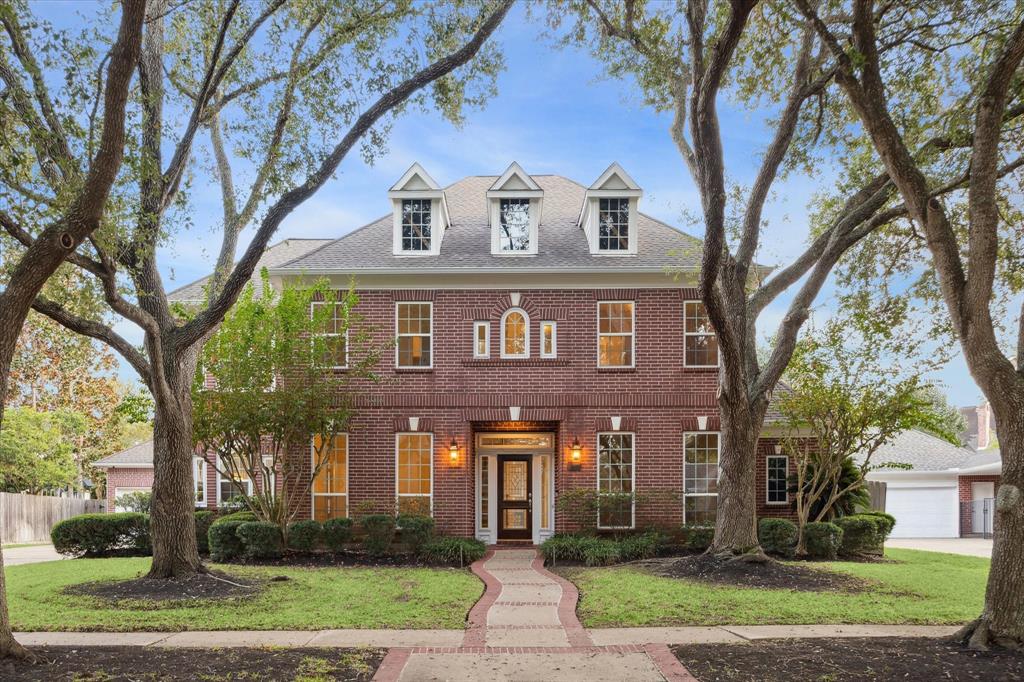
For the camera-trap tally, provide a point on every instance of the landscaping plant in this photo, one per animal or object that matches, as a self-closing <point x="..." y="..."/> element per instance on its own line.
<point x="260" y="539"/>
<point x="378" y="533"/>
<point x="305" y="535"/>
<point x="337" y="533"/>
<point x="224" y="541"/>
<point x="416" y="530"/>
<point x="204" y="519"/>
<point x="101" y="534"/>
<point x="777" y="536"/>
<point x="453" y="551"/>
<point x="822" y="540"/>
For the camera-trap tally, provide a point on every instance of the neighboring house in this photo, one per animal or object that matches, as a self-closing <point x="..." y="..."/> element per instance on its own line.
<point x="548" y="337"/>
<point x="128" y="471"/>
<point x="947" y="492"/>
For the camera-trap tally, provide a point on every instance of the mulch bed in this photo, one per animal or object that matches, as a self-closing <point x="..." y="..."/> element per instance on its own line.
<point x="838" y="660"/>
<point x="347" y="558"/>
<point x="770" y="575"/>
<point x="153" y="663"/>
<point x="210" y="585"/>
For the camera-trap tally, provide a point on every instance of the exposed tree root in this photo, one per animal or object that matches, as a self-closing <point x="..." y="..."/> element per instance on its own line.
<point x="978" y="636"/>
<point x="11" y="649"/>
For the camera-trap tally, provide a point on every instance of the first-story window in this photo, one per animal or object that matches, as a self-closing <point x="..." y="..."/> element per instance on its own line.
<point x="233" y="481"/>
<point x="615" y="480"/>
<point x="413" y="327"/>
<point x="615" y="334"/>
<point x="332" y="338"/>
<point x="128" y="499"/>
<point x="414" y="472"/>
<point x="330" y="485"/>
<point x="778" y="479"/>
<point x="700" y="478"/>
<point x="199" y="478"/>
<point x="700" y="345"/>
<point x="481" y="339"/>
<point x="548" y="339"/>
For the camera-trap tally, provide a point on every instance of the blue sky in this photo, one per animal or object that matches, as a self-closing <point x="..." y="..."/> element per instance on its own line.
<point x="555" y="113"/>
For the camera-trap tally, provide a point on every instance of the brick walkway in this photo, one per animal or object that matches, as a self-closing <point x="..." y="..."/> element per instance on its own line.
<point x="525" y="628"/>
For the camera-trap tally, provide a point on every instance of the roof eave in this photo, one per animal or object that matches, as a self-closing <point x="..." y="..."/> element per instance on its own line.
<point x="476" y="270"/>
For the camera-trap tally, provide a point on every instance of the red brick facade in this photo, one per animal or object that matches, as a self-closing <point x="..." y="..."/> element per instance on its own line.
<point x="967" y="510"/>
<point x="126" y="477"/>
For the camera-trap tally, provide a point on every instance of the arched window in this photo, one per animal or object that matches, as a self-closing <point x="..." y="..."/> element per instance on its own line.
<point x="515" y="334"/>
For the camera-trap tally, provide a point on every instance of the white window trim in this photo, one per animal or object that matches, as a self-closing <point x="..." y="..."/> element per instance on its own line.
<point x="312" y="465"/>
<point x="430" y="335"/>
<point x="686" y="334"/>
<point x="323" y="303"/>
<point x="630" y="228"/>
<point x="487" y="339"/>
<point x="766" y="479"/>
<point x="632" y="472"/>
<point x="632" y="353"/>
<point x="400" y="226"/>
<point x="526" y="322"/>
<point x="554" y="339"/>
<point x="533" y="212"/>
<point x="199" y="471"/>
<point x="222" y="479"/>
<point x="718" y="459"/>
<point x="398" y="494"/>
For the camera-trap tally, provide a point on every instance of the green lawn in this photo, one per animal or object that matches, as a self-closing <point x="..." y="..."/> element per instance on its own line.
<point x="923" y="588"/>
<point x="314" y="598"/>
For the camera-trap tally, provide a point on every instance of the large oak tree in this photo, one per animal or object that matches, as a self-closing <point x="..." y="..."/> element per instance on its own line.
<point x="284" y="90"/>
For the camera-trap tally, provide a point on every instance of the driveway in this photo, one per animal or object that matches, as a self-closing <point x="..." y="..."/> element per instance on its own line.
<point x="966" y="546"/>
<point x="31" y="554"/>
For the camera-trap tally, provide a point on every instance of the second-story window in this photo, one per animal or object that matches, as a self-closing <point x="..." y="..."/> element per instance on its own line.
<point x="615" y="334"/>
<point x="413" y="324"/>
<point x="700" y="342"/>
<point x="481" y="339"/>
<point x="515" y="334"/>
<point x="334" y="335"/>
<point x="514" y="215"/>
<point x="613" y="225"/>
<point x="548" y="339"/>
<point x="416" y="225"/>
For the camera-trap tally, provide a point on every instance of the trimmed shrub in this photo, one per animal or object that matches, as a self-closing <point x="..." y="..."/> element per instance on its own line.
<point x="860" y="534"/>
<point x="699" y="538"/>
<point x="453" y="551"/>
<point x="380" y="532"/>
<point x="243" y="516"/>
<point x="223" y="540"/>
<point x="336" y="533"/>
<point x="260" y="539"/>
<point x="642" y="546"/>
<point x="777" y="536"/>
<point x="102" y="534"/>
<point x="886" y="522"/>
<point x="599" y="552"/>
<point x="304" y="535"/>
<point x="562" y="547"/>
<point x="416" y="530"/>
<point x="204" y="519"/>
<point x="823" y="540"/>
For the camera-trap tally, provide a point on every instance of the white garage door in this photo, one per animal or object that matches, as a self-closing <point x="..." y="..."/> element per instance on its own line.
<point x="924" y="512"/>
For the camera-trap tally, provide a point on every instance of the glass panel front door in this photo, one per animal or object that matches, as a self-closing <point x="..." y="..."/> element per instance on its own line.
<point x="515" y="502"/>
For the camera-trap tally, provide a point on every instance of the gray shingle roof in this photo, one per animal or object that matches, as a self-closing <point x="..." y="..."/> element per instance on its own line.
<point x="276" y="254"/>
<point x="983" y="457"/>
<point x="467" y="242"/>
<point x="923" y="452"/>
<point x="136" y="455"/>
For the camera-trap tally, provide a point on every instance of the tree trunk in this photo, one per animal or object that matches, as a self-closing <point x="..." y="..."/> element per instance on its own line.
<point x="1002" y="620"/>
<point x="172" y="518"/>
<point x="736" y="519"/>
<point x="9" y="647"/>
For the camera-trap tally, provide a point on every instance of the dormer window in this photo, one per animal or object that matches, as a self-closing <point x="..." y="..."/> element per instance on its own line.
<point x="416" y="224"/>
<point x="515" y="200"/>
<point x="609" y="214"/>
<point x="420" y="214"/>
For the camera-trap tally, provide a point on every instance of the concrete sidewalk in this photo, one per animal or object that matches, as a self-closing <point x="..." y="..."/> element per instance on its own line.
<point x="453" y="638"/>
<point x="966" y="546"/>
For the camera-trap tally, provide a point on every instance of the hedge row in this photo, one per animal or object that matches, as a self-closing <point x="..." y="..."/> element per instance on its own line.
<point x="852" y="535"/>
<point x="596" y="551"/>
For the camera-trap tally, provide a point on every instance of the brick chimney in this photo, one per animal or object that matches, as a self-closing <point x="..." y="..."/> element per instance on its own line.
<point x="979" y="426"/>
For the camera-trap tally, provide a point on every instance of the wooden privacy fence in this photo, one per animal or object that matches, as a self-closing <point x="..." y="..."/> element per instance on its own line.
<point x="29" y="518"/>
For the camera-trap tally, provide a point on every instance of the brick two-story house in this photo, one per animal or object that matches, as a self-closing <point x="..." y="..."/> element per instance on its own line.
<point x="547" y="337"/>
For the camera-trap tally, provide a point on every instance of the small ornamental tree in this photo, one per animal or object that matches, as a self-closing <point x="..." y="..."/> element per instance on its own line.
<point x="270" y="384"/>
<point x="845" y="404"/>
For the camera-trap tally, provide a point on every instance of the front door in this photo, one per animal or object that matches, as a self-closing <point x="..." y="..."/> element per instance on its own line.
<point x="515" y="498"/>
<point x="982" y="506"/>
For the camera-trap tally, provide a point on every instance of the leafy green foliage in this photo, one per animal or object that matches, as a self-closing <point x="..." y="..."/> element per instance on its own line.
<point x="864" y="533"/>
<point x="453" y="551"/>
<point x="236" y="516"/>
<point x="416" y="530"/>
<point x="337" y="533"/>
<point x="36" y="452"/>
<point x="204" y="519"/>
<point x="845" y="491"/>
<point x="822" y="540"/>
<point x="598" y="551"/>
<point x="777" y="536"/>
<point x="102" y="534"/>
<point x="641" y="546"/>
<point x="886" y="521"/>
<point x="378" y="533"/>
<point x="260" y="539"/>
<point x="137" y="501"/>
<point x="223" y="539"/>
<point x="304" y="535"/>
<point x="699" y="537"/>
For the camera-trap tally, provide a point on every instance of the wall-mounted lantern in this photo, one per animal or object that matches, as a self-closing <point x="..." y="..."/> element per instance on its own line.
<point x="575" y="455"/>
<point x="453" y="451"/>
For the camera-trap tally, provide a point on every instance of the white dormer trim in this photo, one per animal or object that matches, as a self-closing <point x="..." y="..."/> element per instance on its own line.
<point x="515" y="183"/>
<point x="417" y="183"/>
<point x="613" y="183"/>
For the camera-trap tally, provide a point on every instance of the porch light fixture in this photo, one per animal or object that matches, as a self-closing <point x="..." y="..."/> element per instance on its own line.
<point x="576" y="451"/>
<point x="453" y="451"/>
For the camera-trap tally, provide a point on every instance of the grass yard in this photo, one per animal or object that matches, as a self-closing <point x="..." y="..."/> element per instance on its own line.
<point x="922" y="588"/>
<point x="313" y="599"/>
